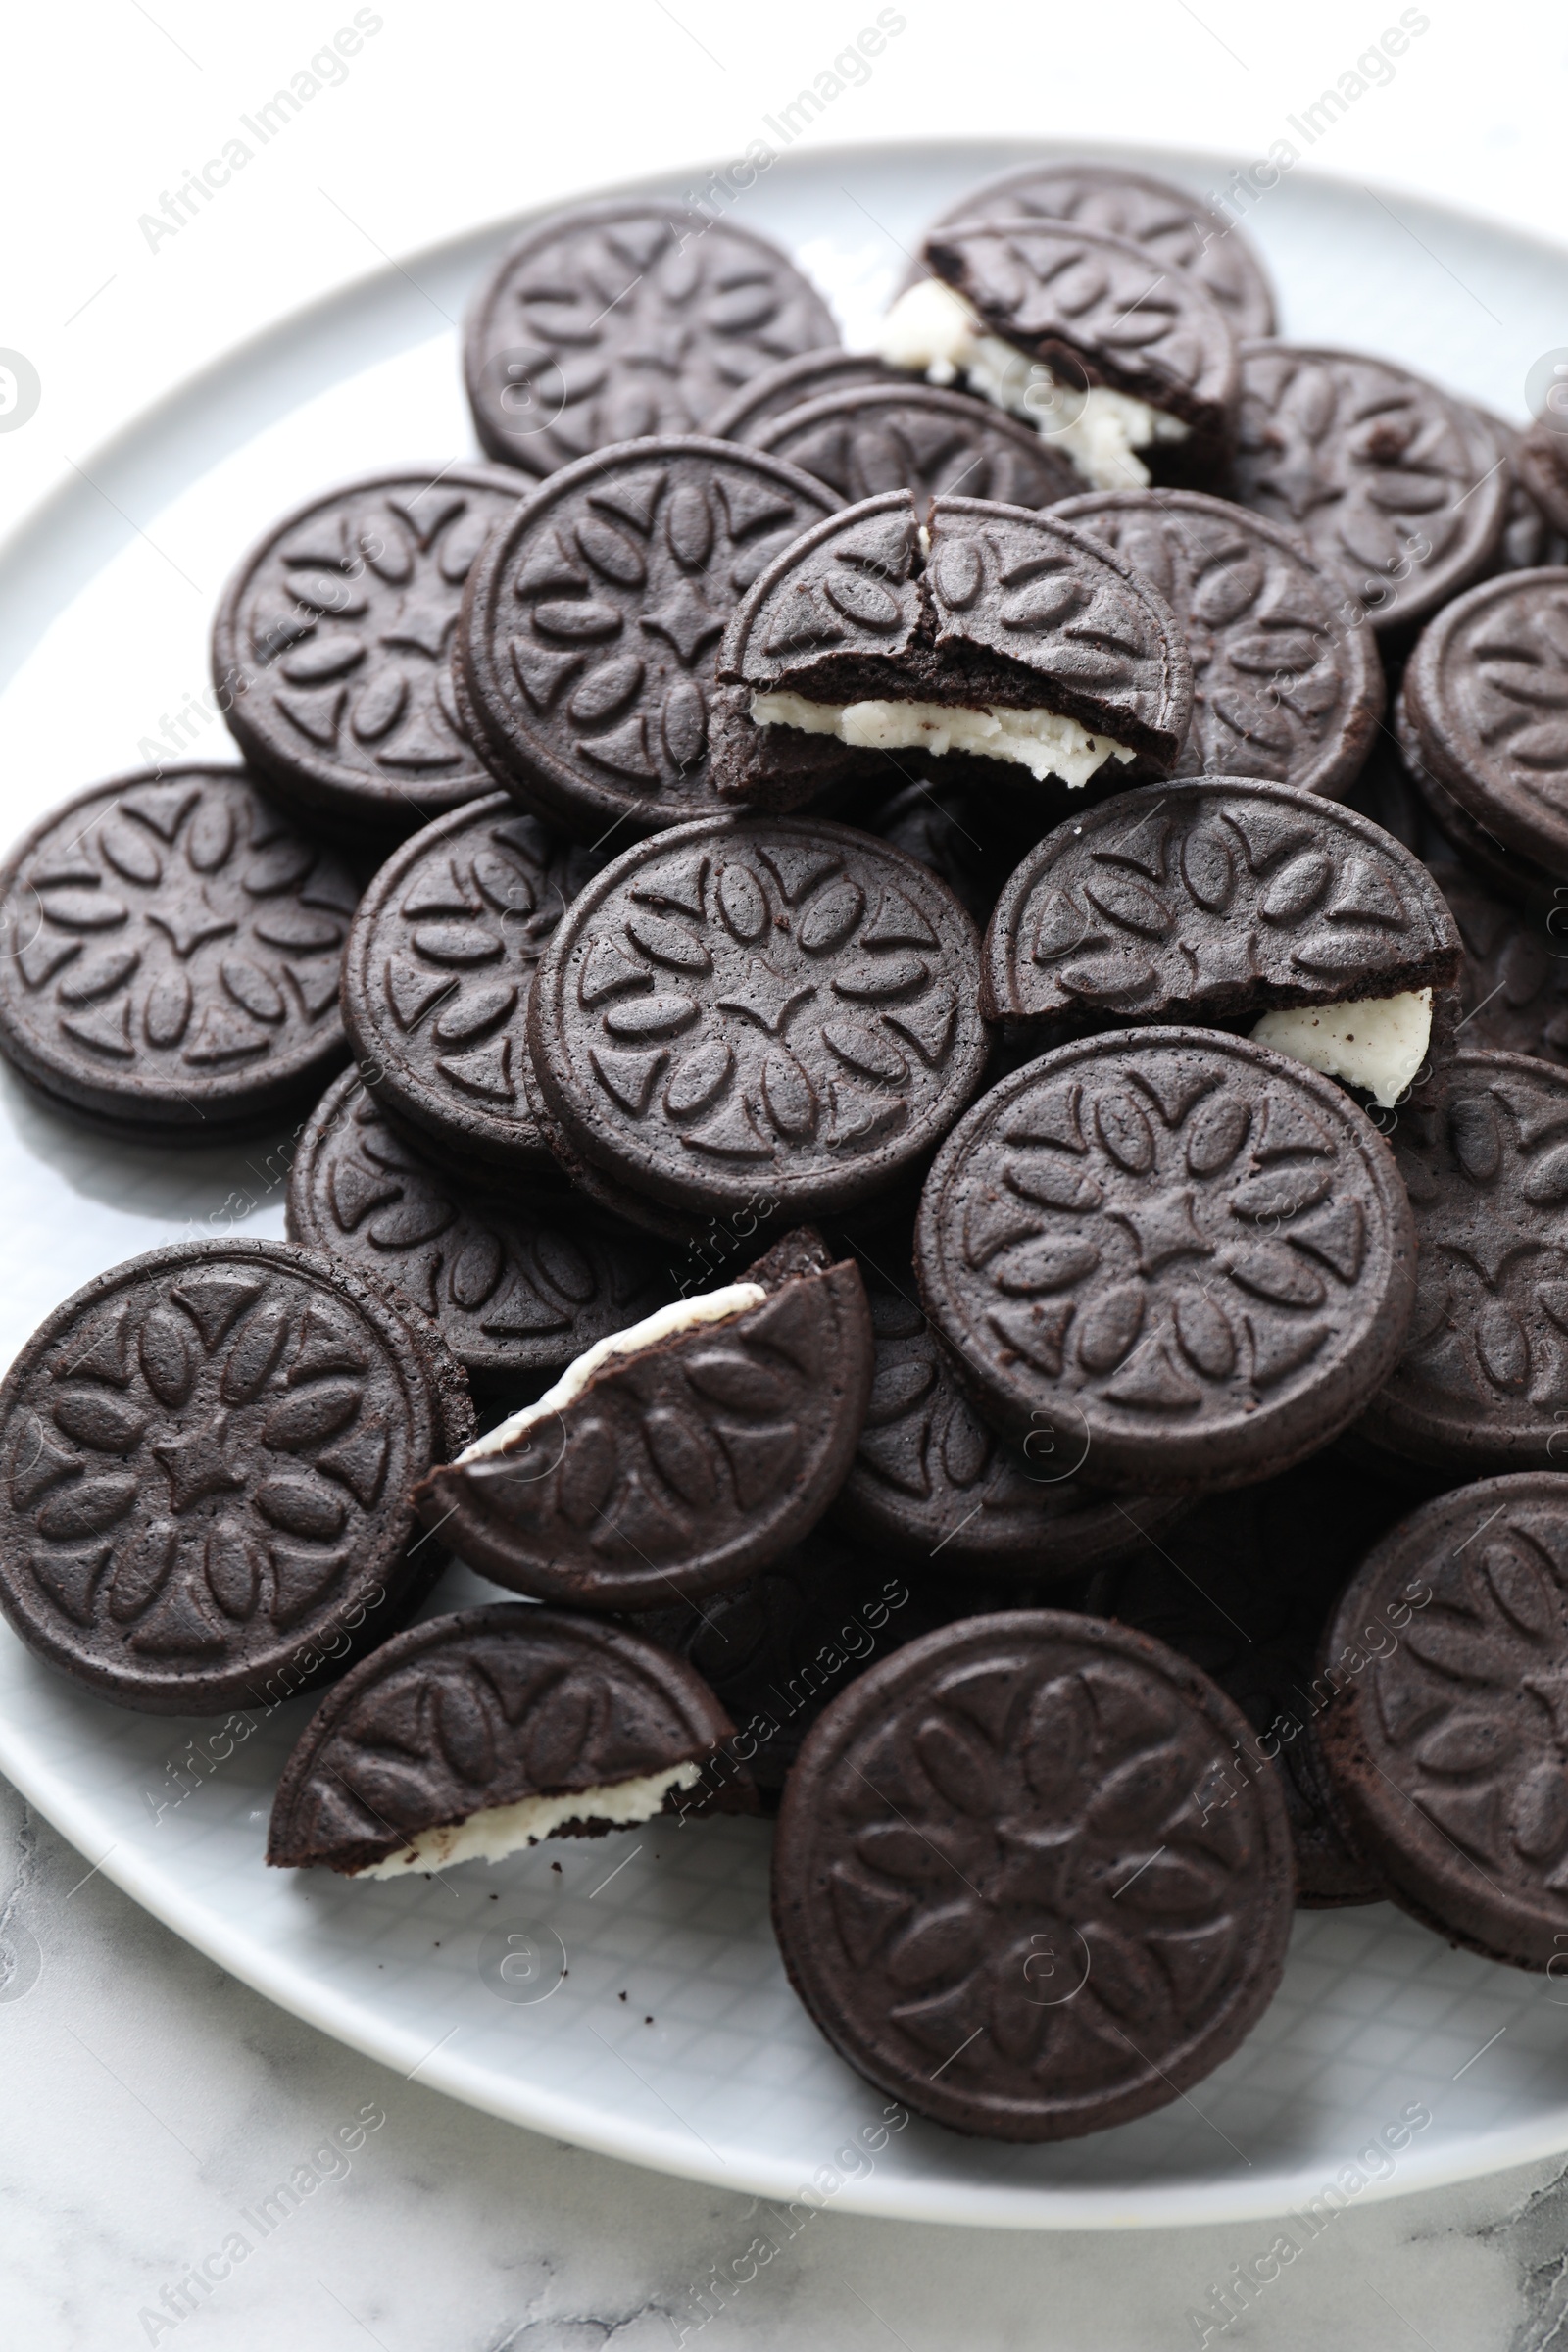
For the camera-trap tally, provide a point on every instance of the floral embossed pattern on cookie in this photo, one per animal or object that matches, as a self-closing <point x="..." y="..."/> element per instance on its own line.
<point x="518" y="1287"/>
<point x="889" y="438"/>
<point x="1193" y="1253"/>
<point x="757" y="1003"/>
<point x="171" y="952"/>
<point x="438" y="969"/>
<point x="930" y="1479"/>
<point x="974" y="605"/>
<point x="1483" y="1380"/>
<point x="479" y="1711"/>
<point x="683" y="1466"/>
<point x="995" y="1887"/>
<point x="1281" y="689"/>
<point x="1393" y="484"/>
<point x="591" y="629"/>
<point x="331" y="644"/>
<point x="616" y="320"/>
<point x="1448" y="1748"/>
<point x="1167" y="222"/>
<point x="1096" y="306"/>
<point x="208" y="1458"/>
<point x="1212" y="900"/>
<point x="1485" y="702"/>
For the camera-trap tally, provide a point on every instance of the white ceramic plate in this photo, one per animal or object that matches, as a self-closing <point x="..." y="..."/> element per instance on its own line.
<point x="708" y="2065"/>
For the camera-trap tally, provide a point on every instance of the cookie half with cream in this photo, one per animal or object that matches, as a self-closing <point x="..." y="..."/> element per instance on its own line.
<point x="1123" y="361"/>
<point x="678" y="1457"/>
<point x="1240" y="904"/>
<point x="1002" y="643"/>
<point x="477" y="1734"/>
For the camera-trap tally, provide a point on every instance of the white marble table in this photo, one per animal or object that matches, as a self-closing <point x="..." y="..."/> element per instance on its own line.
<point x="152" y="2104"/>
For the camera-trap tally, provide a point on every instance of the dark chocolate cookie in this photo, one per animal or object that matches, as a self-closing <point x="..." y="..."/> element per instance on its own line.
<point x="1445" y="1734"/>
<point x="1529" y="538"/>
<point x="791" y="384"/>
<point x="683" y="1455"/>
<point x="1099" y="310"/>
<point x="472" y="1736"/>
<point x="991" y="611"/>
<point x="932" y="1482"/>
<point x="1212" y="901"/>
<point x="995" y="1889"/>
<point x="439" y="965"/>
<point x="1542" y="461"/>
<point x="1483" y="1380"/>
<point x="518" y="1285"/>
<point x="1244" y="1588"/>
<point x="1515" y="978"/>
<point x="757" y="1003"/>
<point x="1451" y="835"/>
<point x="1486" y="699"/>
<point x="172" y="945"/>
<point x="210" y="1457"/>
<point x="1395" y="484"/>
<point x="614" y="320"/>
<point x="1282" y="689"/>
<point x="1175" y="227"/>
<point x="331" y="645"/>
<point x="912" y="437"/>
<point x="1186" y="1256"/>
<point x="590" y="630"/>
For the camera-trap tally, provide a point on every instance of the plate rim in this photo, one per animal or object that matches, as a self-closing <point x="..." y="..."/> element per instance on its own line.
<point x="982" y="2205"/>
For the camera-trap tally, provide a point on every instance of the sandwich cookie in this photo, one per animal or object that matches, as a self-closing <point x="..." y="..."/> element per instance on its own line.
<point x="331" y="646"/>
<point x="677" y="1456"/>
<point x="437" y="974"/>
<point x="212" y="1452"/>
<point x="611" y="321"/>
<point x="517" y="1284"/>
<point x="476" y="1736"/>
<point x="1038" y="656"/>
<point x="1395" y="485"/>
<point x="1229" y="902"/>
<point x="1443" y="1733"/>
<point x="585" y="658"/>
<point x="171" y="948"/>
<point x="1186" y="1252"/>
<point x="995" y="1889"/>
<point x="1168" y="222"/>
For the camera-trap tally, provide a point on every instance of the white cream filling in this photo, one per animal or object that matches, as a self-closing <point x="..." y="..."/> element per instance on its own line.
<point x="496" y="1830"/>
<point x="932" y="330"/>
<point x="683" y="1314"/>
<point x="1042" y="741"/>
<point x="1379" y="1044"/>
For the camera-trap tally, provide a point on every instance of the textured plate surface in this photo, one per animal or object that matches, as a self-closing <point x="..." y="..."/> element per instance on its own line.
<point x="730" y="2083"/>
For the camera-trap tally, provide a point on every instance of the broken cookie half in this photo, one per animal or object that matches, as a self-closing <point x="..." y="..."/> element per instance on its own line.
<point x="1024" y="650"/>
<point x="1125" y="363"/>
<point x="680" y="1456"/>
<point x="1226" y="903"/>
<point x="477" y="1734"/>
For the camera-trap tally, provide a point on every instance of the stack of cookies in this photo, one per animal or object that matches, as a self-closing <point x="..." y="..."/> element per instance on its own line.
<point x="945" y="1137"/>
